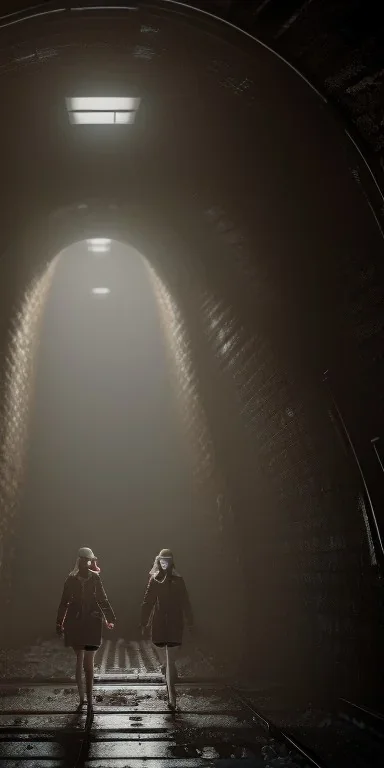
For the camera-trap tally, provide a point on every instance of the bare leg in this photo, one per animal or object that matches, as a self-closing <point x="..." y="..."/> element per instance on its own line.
<point x="163" y="659"/>
<point x="89" y="657"/>
<point x="79" y="674"/>
<point x="171" y="675"/>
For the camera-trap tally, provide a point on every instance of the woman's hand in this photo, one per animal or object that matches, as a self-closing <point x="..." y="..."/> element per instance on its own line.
<point x="110" y="624"/>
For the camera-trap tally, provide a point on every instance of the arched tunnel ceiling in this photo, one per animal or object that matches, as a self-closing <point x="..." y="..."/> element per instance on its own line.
<point x="337" y="45"/>
<point x="241" y="188"/>
<point x="236" y="131"/>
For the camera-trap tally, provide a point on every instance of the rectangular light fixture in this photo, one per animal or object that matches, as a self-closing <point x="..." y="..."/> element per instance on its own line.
<point x="102" y="104"/>
<point x="100" y="110"/>
<point x="124" y="118"/>
<point x="100" y="291"/>
<point x="101" y="118"/>
<point x="92" y="118"/>
<point x="99" y="244"/>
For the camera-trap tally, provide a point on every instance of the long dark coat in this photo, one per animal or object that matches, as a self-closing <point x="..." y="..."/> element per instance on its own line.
<point x="83" y="606"/>
<point x="165" y="605"/>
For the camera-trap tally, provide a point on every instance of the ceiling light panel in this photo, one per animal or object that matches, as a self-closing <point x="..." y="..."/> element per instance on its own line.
<point x="92" y="118"/>
<point x="100" y="291"/>
<point x="102" y="103"/>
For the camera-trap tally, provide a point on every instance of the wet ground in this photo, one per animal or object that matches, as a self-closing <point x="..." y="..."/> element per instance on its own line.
<point x="132" y="725"/>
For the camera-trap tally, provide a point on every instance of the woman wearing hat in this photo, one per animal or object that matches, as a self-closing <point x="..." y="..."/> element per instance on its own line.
<point x="164" y="607"/>
<point x="83" y="606"/>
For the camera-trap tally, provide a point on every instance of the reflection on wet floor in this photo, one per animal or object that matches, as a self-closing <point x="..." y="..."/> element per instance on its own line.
<point x="39" y="721"/>
<point x="130" y="722"/>
<point x="132" y="725"/>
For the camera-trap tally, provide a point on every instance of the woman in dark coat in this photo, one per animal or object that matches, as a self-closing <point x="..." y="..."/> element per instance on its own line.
<point x="165" y="605"/>
<point x="83" y="607"/>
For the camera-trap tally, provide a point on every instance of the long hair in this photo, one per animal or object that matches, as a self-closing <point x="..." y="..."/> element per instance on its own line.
<point x="157" y="569"/>
<point x="76" y="568"/>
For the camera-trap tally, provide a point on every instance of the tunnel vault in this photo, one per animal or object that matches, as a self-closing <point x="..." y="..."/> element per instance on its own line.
<point x="31" y="295"/>
<point x="264" y="449"/>
<point x="261" y="308"/>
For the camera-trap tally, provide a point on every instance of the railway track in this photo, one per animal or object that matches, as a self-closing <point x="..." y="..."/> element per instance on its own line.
<point x="132" y="727"/>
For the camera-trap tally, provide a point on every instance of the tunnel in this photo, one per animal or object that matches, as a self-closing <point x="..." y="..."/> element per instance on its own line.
<point x="239" y="359"/>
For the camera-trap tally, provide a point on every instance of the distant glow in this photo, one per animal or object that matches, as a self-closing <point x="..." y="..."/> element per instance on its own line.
<point x="99" y="244"/>
<point x="101" y="104"/>
<point x="100" y="291"/>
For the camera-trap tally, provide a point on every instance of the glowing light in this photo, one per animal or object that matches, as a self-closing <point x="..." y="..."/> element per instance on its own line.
<point x="92" y="118"/>
<point x="102" y="110"/>
<point x="101" y="118"/>
<point x="99" y="245"/>
<point x="102" y="104"/>
<point x="124" y="118"/>
<point x="100" y="291"/>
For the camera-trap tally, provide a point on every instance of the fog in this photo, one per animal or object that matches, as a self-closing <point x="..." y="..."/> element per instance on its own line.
<point x="108" y="465"/>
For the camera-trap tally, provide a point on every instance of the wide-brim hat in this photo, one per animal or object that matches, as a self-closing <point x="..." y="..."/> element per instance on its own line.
<point x="87" y="553"/>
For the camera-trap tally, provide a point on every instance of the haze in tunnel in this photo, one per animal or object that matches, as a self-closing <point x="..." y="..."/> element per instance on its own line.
<point x="107" y="463"/>
<point x="250" y="201"/>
